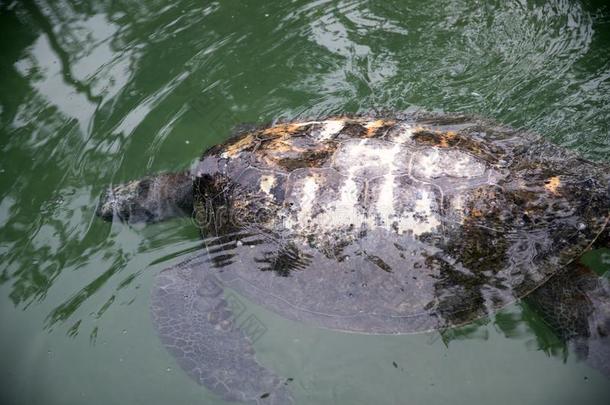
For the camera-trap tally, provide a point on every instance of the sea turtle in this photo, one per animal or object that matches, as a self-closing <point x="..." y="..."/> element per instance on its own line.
<point x="380" y="225"/>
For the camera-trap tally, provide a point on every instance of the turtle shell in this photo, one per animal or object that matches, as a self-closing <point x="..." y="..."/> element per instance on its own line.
<point x="393" y="225"/>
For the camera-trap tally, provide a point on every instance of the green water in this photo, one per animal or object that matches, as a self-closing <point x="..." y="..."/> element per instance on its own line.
<point x="104" y="91"/>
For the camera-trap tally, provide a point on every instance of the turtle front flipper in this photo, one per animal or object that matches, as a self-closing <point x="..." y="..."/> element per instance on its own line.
<point x="576" y="305"/>
<point x="196" y="325"/>
<point x="151" y="199"/>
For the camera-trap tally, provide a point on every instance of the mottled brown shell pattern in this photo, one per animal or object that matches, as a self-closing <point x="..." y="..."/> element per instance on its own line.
<point x="448" y="216"/>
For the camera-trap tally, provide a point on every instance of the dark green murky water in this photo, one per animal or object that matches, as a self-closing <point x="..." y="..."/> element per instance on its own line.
<point x="103" y="91"/>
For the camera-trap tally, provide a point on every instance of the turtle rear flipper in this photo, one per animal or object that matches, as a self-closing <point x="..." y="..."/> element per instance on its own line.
<point x="195" y="323"/>
<point x="576" y="305"/>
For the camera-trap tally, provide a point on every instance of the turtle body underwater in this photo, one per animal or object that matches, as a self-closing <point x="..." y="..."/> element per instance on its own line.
<point x="379" y="225"/>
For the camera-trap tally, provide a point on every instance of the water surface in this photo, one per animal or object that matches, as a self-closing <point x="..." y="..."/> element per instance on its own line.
<point x="99" y="92"/>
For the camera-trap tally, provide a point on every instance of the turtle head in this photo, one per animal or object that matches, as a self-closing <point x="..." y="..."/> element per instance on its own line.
<point x="151" y="199"/>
